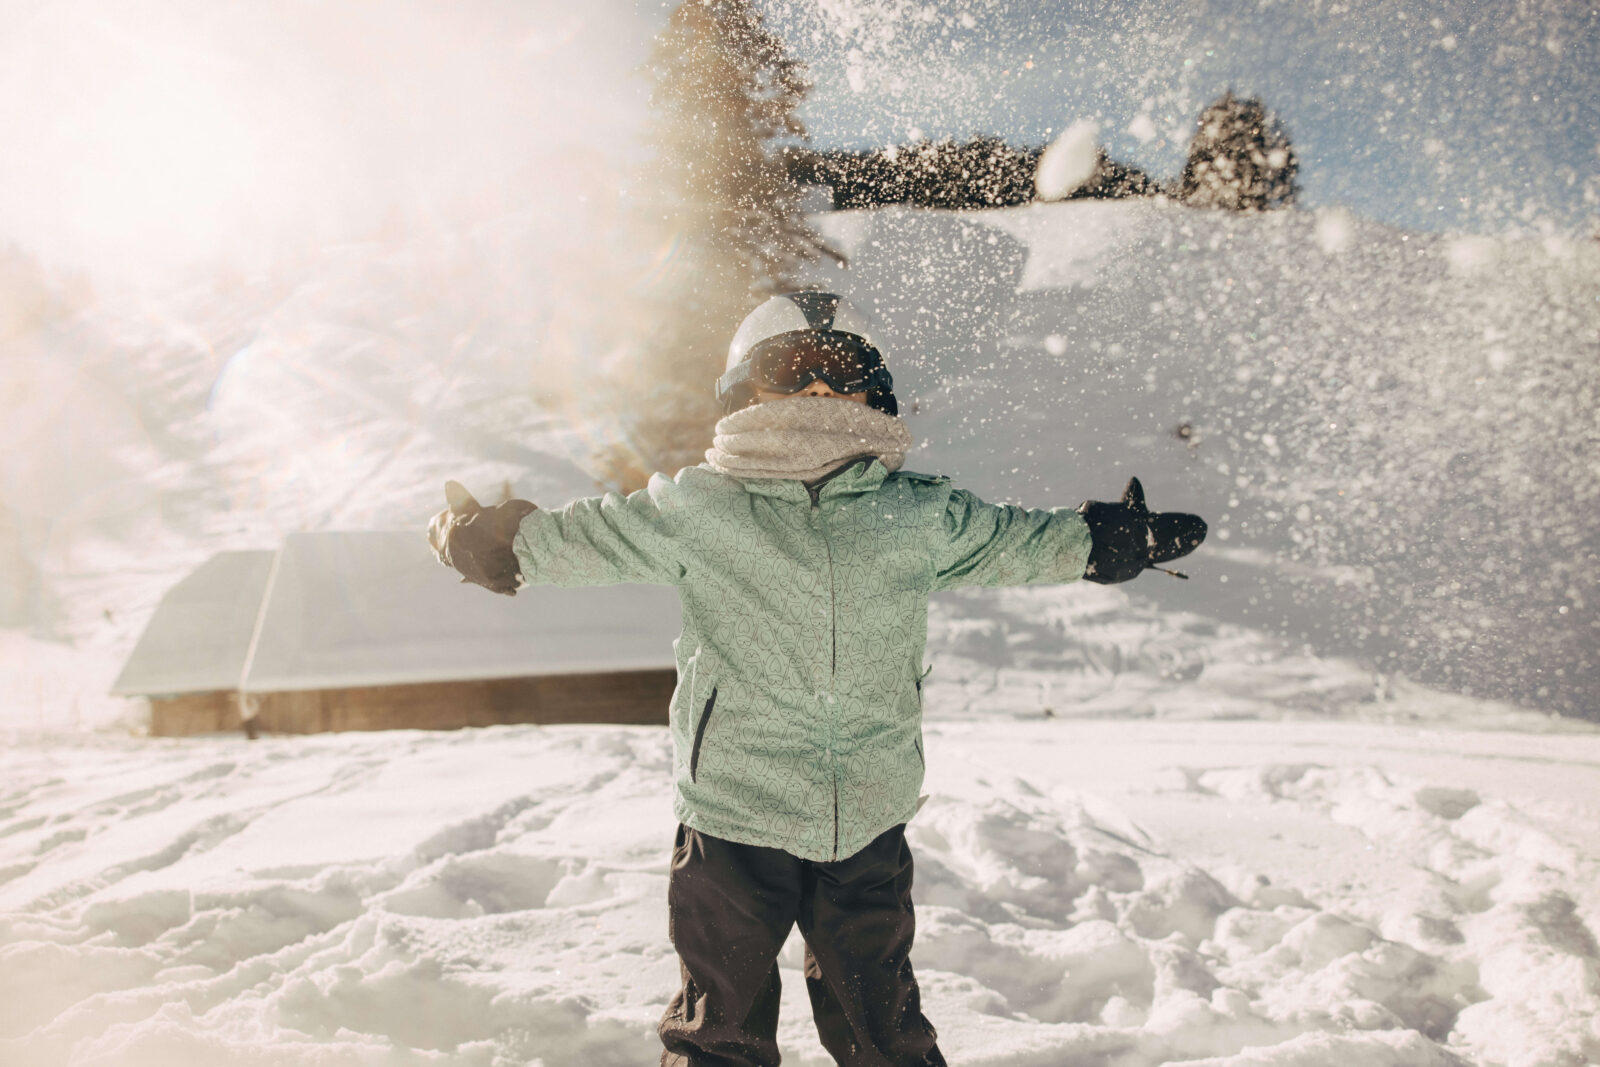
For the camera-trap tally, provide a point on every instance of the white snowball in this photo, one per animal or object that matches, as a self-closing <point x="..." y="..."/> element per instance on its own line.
<point x="1333" y="230"/>
<point x="1069" y="161"/>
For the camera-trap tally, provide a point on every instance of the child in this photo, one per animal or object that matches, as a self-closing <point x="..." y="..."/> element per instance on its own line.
<point x="804" y="557"/>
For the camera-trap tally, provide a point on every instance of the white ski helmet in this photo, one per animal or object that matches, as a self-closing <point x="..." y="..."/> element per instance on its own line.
<point x="814" y="317"/>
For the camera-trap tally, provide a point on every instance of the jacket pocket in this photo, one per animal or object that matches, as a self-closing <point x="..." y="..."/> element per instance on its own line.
<point x="700" y="734"/>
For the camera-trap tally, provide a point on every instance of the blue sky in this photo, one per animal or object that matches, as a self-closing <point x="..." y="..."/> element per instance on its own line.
<point x="1471" y="116"/>
<point x="148" y="137"/>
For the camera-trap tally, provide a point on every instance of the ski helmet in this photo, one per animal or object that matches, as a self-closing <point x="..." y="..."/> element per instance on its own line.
<point x="814" y="321"/>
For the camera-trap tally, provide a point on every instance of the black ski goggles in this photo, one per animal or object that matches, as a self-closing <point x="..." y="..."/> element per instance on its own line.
<point x="790" y="362"/>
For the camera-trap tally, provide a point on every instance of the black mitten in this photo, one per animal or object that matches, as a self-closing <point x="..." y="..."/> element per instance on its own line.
<point x="476" y="540"/>
<point x="1128" y="537"/>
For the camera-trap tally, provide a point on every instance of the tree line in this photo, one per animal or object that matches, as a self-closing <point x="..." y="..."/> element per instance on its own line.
<point x="1240" y="159"/>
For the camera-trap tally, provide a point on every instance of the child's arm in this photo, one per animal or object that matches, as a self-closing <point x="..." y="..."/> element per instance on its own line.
<point x="476" y="541"/>
<point x="991" y="544"/>
<point x="1001" y="544"/>
<point x="605" y="540"/>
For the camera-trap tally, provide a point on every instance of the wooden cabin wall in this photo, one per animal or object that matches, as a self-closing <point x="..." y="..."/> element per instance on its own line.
<point x="194" y="713"/>
<point x="634" y="697"/>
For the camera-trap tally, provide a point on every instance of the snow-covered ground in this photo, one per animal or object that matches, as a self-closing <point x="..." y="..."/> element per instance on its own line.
<point x="1259" y="817"/>
<point x="1089" y="891"/>
<point x="1150" y="838"/>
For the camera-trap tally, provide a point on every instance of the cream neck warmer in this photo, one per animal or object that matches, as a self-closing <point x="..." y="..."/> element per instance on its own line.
<point x="805" y="437"/>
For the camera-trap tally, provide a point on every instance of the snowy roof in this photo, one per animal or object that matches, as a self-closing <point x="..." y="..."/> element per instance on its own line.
<point x="200" y="633"/>
<point x="375" y="608"/>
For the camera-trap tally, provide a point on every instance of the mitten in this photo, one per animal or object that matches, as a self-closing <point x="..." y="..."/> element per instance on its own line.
<point x="476" y="540"/>
<point x="1128" y="537"/>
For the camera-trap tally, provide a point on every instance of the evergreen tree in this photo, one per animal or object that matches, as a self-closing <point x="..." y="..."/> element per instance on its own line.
<point x="1240" y="159"/>
<point x="718" y="192"/>
<point x="1114" y="181"/>
<point x="726" y="93"/>
<point x="983" y="172"/>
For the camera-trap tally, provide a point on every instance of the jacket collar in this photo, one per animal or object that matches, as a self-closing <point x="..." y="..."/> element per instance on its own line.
<point x="851" y="478"/>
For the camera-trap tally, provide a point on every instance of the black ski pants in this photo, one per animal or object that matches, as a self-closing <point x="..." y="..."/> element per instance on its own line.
<point x="730" y="909"/>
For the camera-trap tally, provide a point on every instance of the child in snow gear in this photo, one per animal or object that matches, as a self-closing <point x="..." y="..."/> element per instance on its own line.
<point x="797" y="338"/>
<point x="804" y="557"/>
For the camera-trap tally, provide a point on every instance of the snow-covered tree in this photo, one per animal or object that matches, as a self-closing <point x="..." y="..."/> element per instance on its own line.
<point x="1240" y="159"/>
<point x="982" y="172"/>
<point x="718" y="192"/>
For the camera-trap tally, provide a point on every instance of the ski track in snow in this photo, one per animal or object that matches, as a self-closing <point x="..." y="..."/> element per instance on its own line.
<point x="498" y="897"/>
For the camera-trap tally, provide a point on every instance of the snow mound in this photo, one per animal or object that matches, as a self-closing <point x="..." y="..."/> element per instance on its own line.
<point x="498" y="896"/>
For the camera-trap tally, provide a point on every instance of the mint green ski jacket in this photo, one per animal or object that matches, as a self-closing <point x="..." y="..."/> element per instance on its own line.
<point x="797" y="718"/>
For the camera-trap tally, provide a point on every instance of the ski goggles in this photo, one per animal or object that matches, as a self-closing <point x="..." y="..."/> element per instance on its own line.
<point x="790" y="362"/>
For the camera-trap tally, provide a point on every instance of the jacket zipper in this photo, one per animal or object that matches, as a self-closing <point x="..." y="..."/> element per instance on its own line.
<point x="700" y="733"/>
<point x="836" y="815"/>
<point x="833" y="663"/>
<point x="815" y="489"/>
<point x="922" y="759"/>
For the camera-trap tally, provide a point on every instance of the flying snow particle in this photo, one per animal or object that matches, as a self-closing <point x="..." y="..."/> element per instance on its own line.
<point x="1143" y="128"/>
<point x="1470" y="254"/>
<point x="1070" y="160"/>
<point x="1333" y="230"/>
<point x="855" y="70"/>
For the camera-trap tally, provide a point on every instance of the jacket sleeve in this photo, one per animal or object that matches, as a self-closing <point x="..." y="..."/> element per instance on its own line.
<point x="604" y="540"/>
<point x="1001" y="544"/>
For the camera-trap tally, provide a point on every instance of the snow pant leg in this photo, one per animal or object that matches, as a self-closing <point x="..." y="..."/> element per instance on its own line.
<point x="730" y="907"/>
<point x="858" y="923"/>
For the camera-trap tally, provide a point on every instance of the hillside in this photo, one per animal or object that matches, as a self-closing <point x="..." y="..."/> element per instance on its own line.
<point x="1391" y="433"/>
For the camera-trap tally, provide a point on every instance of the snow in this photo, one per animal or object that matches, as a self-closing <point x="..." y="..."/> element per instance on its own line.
<point x="1365" y="418"/>
<point x="1140" y="892"/>
<point x="1069" y="160"/>
<point x="1309" y="809"/>
<point x="1470" y="116"/>
<point x="1295" y="811"/>
<point x="199" y="638"/>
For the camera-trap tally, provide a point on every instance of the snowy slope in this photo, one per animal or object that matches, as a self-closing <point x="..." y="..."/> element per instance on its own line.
<point x="1392" y="434"/>
<point x="1128" y="893"/>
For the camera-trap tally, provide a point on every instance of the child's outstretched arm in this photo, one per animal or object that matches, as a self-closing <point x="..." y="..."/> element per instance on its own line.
<point x="1002" y="544"/>
<point x="990" y="544"/>
<point x="606" y="540"/>
<point x="596" y="541"/>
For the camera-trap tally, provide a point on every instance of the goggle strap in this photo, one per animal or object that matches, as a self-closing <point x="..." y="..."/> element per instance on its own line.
<point x="737" y="375"/>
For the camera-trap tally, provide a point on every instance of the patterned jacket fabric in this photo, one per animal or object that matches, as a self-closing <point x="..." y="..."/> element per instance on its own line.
<point x="797" y="718"/>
